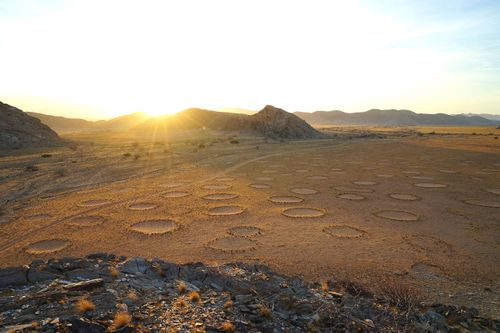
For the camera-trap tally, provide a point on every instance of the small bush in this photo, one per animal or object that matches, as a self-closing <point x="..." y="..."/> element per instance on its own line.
<point x="264" y="311"/>
<point x="181" y="287"/>
<point x="31" y="167"/>
<point x="229" y="304"/>
<point x="114" y="272"/>
<point x="84" y="305"/>
<point x="136" y="157"/>
<point x="46" y="155"/>
<point x="61" y="172"/>
<point x="398" y="293"/>
<point x="234" y="142"/>
<point x="194" y="297"/>
<point x="201" y="145"/>
<point x="227" y="327"/>
<point x="127" y="155"/>
<point x="121" y="320"/>
<point x="180" y="303"/>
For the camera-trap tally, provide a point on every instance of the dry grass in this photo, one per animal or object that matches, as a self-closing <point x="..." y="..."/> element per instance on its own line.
<point x="121" y="320"/>
<point x="194" y="297"/>
<point x="181" y="287"/>
<point x="132" y="295"/>
<point x="229" y="304"/>
<point x="324" y="286"/>
<point x="398" y="293"/>
<point x="227" y="327"/>
<point x="84" y="305"/>
<point x="180" y="303"/>
<point x="114" y="272"/>
<point x="264" y="311"/>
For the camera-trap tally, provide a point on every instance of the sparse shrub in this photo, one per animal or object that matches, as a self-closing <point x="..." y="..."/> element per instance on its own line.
<point x="136" y="157"/>
<point x="398" y="293"/>
<point x="257" y="147"/>
<point x="46" y="155"/>
<point x="114" y="272"/>
<point x="127" y="155"/>
<point x="201" y="146"/>
<point x="496" y="137"/>
<point x="229" y="304"/>
<point x="180" y="303"/>
<point x="227" y="327"/>
<point x="324" y="286"/>
<point x="234" y="142"/>
<point x="432" y="133"/>
<point x="132" y="295"/>
<point x="474" y="133"/>
<point x="181" y="287"/>
<point x="84" y="305"/>
<point x="194" y="297"/>
<point x="73" y="147"/>
<point x="121" y="320"/>
<point x="264" y="311"/>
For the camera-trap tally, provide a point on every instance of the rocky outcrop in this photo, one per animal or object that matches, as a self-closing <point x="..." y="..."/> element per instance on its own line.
<point x="277" y="123"/>
<point x="19" y="130"/>
<point x="86" y="294"/>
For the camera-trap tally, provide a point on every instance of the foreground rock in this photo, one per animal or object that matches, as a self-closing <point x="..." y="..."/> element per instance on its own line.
<point x="19" y="130"/>
<point x="104" y="293"/>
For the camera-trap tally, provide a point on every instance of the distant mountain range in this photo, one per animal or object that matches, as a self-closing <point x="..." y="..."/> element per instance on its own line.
<point x="63" y="124"/>
<point x="376" y="117"/>
<point x="494" y="117"/>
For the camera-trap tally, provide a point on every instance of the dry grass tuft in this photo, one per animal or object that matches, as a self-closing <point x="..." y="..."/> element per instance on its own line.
<point x="132" y="295"/>
<point x="264" y="311"/>
<point x="84" y="305"/>
<point x="229" y="304"/>
<point x="180" y="303"/>
<point x="398" y="293"/>
<point x="181" y="287"/>
<point x="324" y="286"/>
<point x="121" y="320"/>
<point x="114" y="272"/>
<point x="227" y="327"/>
<point x="194" y="297"/>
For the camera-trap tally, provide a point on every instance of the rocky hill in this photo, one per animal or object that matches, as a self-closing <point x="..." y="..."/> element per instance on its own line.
<point x="19" y="130"/>
<point x="106" y="293"/>
<point x="376" y="117"/>
<point x="269" y="122"/>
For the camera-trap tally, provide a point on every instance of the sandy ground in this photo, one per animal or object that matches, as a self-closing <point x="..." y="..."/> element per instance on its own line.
<point x="424" y="210"/>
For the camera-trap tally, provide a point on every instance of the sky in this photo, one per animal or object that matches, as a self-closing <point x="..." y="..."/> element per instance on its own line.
<point x="97" y="59"/>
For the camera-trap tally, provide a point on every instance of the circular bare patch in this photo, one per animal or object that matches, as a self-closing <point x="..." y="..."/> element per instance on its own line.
<point x="425" y="271"/>
<point x="493" y="190"/>
<point x="353" y="189"/>
<point x="175" y="194"/>
<point x="269" y="171"/>
<point x="216" y="187"/>
<point x="303" y="212"/>
<point x="383" y="175"/>
<point x="483" y="203"/>
<point x="343" y="231"/>
<point x="94" y="203"/>
<point x="448" y="171"/>
<point x="429" y="243"/>
<point x="172" y="185"/>
<point x="154" y="227"/>
<point x="423" y="177"/>
<point x="397" y="215"/>
<point x="220" y="196"/>
<point x="260" y="186"/>
<point x="225" y="210"/>
<point x="351" y="196"/>
<point x="430" y="185"/>
<point x="285" y="199"/>
<point x="244" y="231"/>
<point x="301" y="170"/>
<point x="47" y="246"/>
<point x="336" y="170"/>
<point x="142" y="206"/>
<point x="86" y="220"/>
<point x="264" y="179"/>
<point x="404" y="196"/>
<point x="303" y="190"/>
<point x="411" y="172"/>
<point x="232" y="244"/>
<point x="224" y="179"/>
<point x="364" y="183"/>
<point x="317" y="177"/>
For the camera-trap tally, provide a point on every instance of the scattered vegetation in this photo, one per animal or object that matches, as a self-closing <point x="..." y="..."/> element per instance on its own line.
<point x="114" y="272"/>
<point x="84" y="305"/>
<point x="136" y="157"/>
<point x="121" y="320"/>
<point x="194" y="297"/>
<point x="229" y="304"/>
<point x="234" y="142"/>
<point x="180" y="303"/>
<point x="31" y="167"/>
<point x="132" y="295"/>
<point x="127" y="155"/>
<point x="46" y="155"/>
<point x="227" y="327"/>
<point x="398" y="293"/>
<point x="264" y="311"/>
<point x="181" y="287"/>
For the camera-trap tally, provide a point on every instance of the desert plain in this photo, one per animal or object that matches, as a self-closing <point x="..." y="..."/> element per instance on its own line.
<point x="412" y="205"/>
